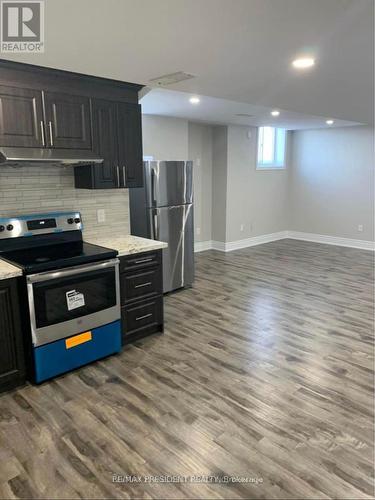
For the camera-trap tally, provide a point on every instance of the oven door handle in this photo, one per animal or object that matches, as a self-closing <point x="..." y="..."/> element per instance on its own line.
<point x="71" y="271"/>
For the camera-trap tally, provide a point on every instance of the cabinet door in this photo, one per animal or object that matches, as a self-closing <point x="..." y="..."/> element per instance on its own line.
<point x="21" y="117"/>
<point x="67" y="120"/>
<point x="104" y="134"/>
<point x="12" y="365"/>
<point x="130" y="144"/>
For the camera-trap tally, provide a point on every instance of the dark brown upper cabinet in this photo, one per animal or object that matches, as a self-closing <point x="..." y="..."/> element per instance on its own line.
<point x="104" y="131"/>
<point x="130" y="143"/>
<point x="68" y="121"/>
<point x="21" y="117"/>
<point x="50" y="108"/>
<point x="117" y="137"/>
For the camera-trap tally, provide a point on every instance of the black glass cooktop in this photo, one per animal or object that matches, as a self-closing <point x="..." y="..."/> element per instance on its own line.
<point x="46" y="258"/>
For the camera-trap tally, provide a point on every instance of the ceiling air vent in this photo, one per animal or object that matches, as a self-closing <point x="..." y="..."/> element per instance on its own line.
<point x="244" y="115"/>
<point x="170" y="79"/>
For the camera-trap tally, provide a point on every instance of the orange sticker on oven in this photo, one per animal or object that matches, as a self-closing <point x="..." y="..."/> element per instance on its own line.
<point x="78" y="339"/>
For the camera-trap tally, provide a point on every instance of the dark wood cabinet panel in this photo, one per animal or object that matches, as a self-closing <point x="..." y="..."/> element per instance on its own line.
<point x="130" y="144"/>
<point x="21" y="117"/>
<point x="142" y="318"/>
<point x="104" y="135"/>
<point x="141" y="288"/>
<point x="139" y="261"/>
<point x="68" y="120"/>
<point x="141" y="284"/>
<point x="12" y="363"/>
<point x="117" y="136"/>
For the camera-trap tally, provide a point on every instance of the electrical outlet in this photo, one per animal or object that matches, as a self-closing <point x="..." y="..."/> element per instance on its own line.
<point x="360" y="228"/>
<point x="242" y="227"/>
<point x="101" y="215"/>
<point x="198" y="231"/>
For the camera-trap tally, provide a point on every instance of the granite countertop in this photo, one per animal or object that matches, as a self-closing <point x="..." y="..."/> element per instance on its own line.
<point x="128" y="244"/>
<point x="8" y="271"/>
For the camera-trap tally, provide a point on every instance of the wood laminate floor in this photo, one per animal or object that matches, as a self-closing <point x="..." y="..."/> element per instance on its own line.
<point x="265" y="373"/>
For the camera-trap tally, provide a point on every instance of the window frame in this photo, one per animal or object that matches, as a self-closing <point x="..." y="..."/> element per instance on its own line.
<point x="271" y="166"/>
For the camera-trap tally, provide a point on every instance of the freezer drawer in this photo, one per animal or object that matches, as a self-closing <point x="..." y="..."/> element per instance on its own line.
<point x="168" y="183"/>
<point x="175" y="225"/>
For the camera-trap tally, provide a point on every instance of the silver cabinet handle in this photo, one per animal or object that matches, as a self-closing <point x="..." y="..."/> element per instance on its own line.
<point x="118" y="175"/>
<point x="143" y="317"/>
<point x="124" y="175"/>
<point x="50" y="132"/>
<point x="143" y="260"/>
<point x="143" y="284"/>
<point x="42" y="132"/>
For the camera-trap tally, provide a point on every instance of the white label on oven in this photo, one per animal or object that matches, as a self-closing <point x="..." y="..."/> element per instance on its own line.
<point x="74" y="300"/>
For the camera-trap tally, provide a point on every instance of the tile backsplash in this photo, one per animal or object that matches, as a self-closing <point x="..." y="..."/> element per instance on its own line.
<point x="25" y="190"/>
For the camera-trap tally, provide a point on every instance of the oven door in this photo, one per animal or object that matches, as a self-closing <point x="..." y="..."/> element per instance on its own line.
<point x="73" y="300"/>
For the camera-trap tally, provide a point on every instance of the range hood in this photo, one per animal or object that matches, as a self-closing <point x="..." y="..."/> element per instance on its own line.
<point x="41" y="156"/>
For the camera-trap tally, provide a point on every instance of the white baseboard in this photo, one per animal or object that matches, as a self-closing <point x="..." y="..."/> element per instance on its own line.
<point x="332" y="240"/>
<point x="201" y="246"/>
<point x="218" y="245"/>
<point x="255" y="240"/>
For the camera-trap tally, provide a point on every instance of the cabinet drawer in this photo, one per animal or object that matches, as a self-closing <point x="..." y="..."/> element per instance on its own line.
<point x="142" y="315"/>
<point x="140" y="260"/>
<point x="141" y="284"/>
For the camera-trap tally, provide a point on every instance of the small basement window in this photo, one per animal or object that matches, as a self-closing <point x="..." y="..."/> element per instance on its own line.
<point x="271" y="148"/>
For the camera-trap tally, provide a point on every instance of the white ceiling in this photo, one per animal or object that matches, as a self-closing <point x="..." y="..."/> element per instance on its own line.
<point x="239" y="50"/>
<point x="222" y="111"/>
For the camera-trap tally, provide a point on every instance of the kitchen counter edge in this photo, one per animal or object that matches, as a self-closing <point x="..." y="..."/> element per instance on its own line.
<point x="128" y="245"/>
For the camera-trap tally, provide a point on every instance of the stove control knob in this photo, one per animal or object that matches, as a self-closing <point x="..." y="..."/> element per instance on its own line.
<point x="77" y="220"/>
<point x="2" y="229"/>
<point x="10" y="227"/>
<point x="70" y="221"/>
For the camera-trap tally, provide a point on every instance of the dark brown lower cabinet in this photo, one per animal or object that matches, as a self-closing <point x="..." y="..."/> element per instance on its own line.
<point x="12" y="361"/>
<point x="141" y="284"/>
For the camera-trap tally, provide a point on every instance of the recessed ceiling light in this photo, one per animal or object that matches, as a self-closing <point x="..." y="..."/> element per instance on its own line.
<point x="275" y="112"/>
<point x="303" y="62"/>
<point x="330" y="122"/>
<point x="194" y="100"/>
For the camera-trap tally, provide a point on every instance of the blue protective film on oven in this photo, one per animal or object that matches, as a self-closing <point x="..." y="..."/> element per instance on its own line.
<point x="55" y="358"/>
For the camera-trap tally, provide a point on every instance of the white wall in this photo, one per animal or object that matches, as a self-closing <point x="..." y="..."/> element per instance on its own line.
<point x="219" y="183"/>
<point x="332" y="182"/>
<point x="256" y="199"/>
<point x="200" y="151"/>
<point x="165" y="138"/>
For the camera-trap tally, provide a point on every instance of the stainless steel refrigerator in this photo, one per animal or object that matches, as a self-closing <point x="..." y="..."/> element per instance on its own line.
<point x="163" y="210"/>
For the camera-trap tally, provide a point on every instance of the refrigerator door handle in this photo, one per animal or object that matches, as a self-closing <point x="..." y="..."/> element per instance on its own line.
<point x="153" y="197"/>
<point x="154" y="225"/>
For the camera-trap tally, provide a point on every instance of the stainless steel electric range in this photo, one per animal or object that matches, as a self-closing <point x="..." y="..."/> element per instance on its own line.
<point x="72" y="292"/>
